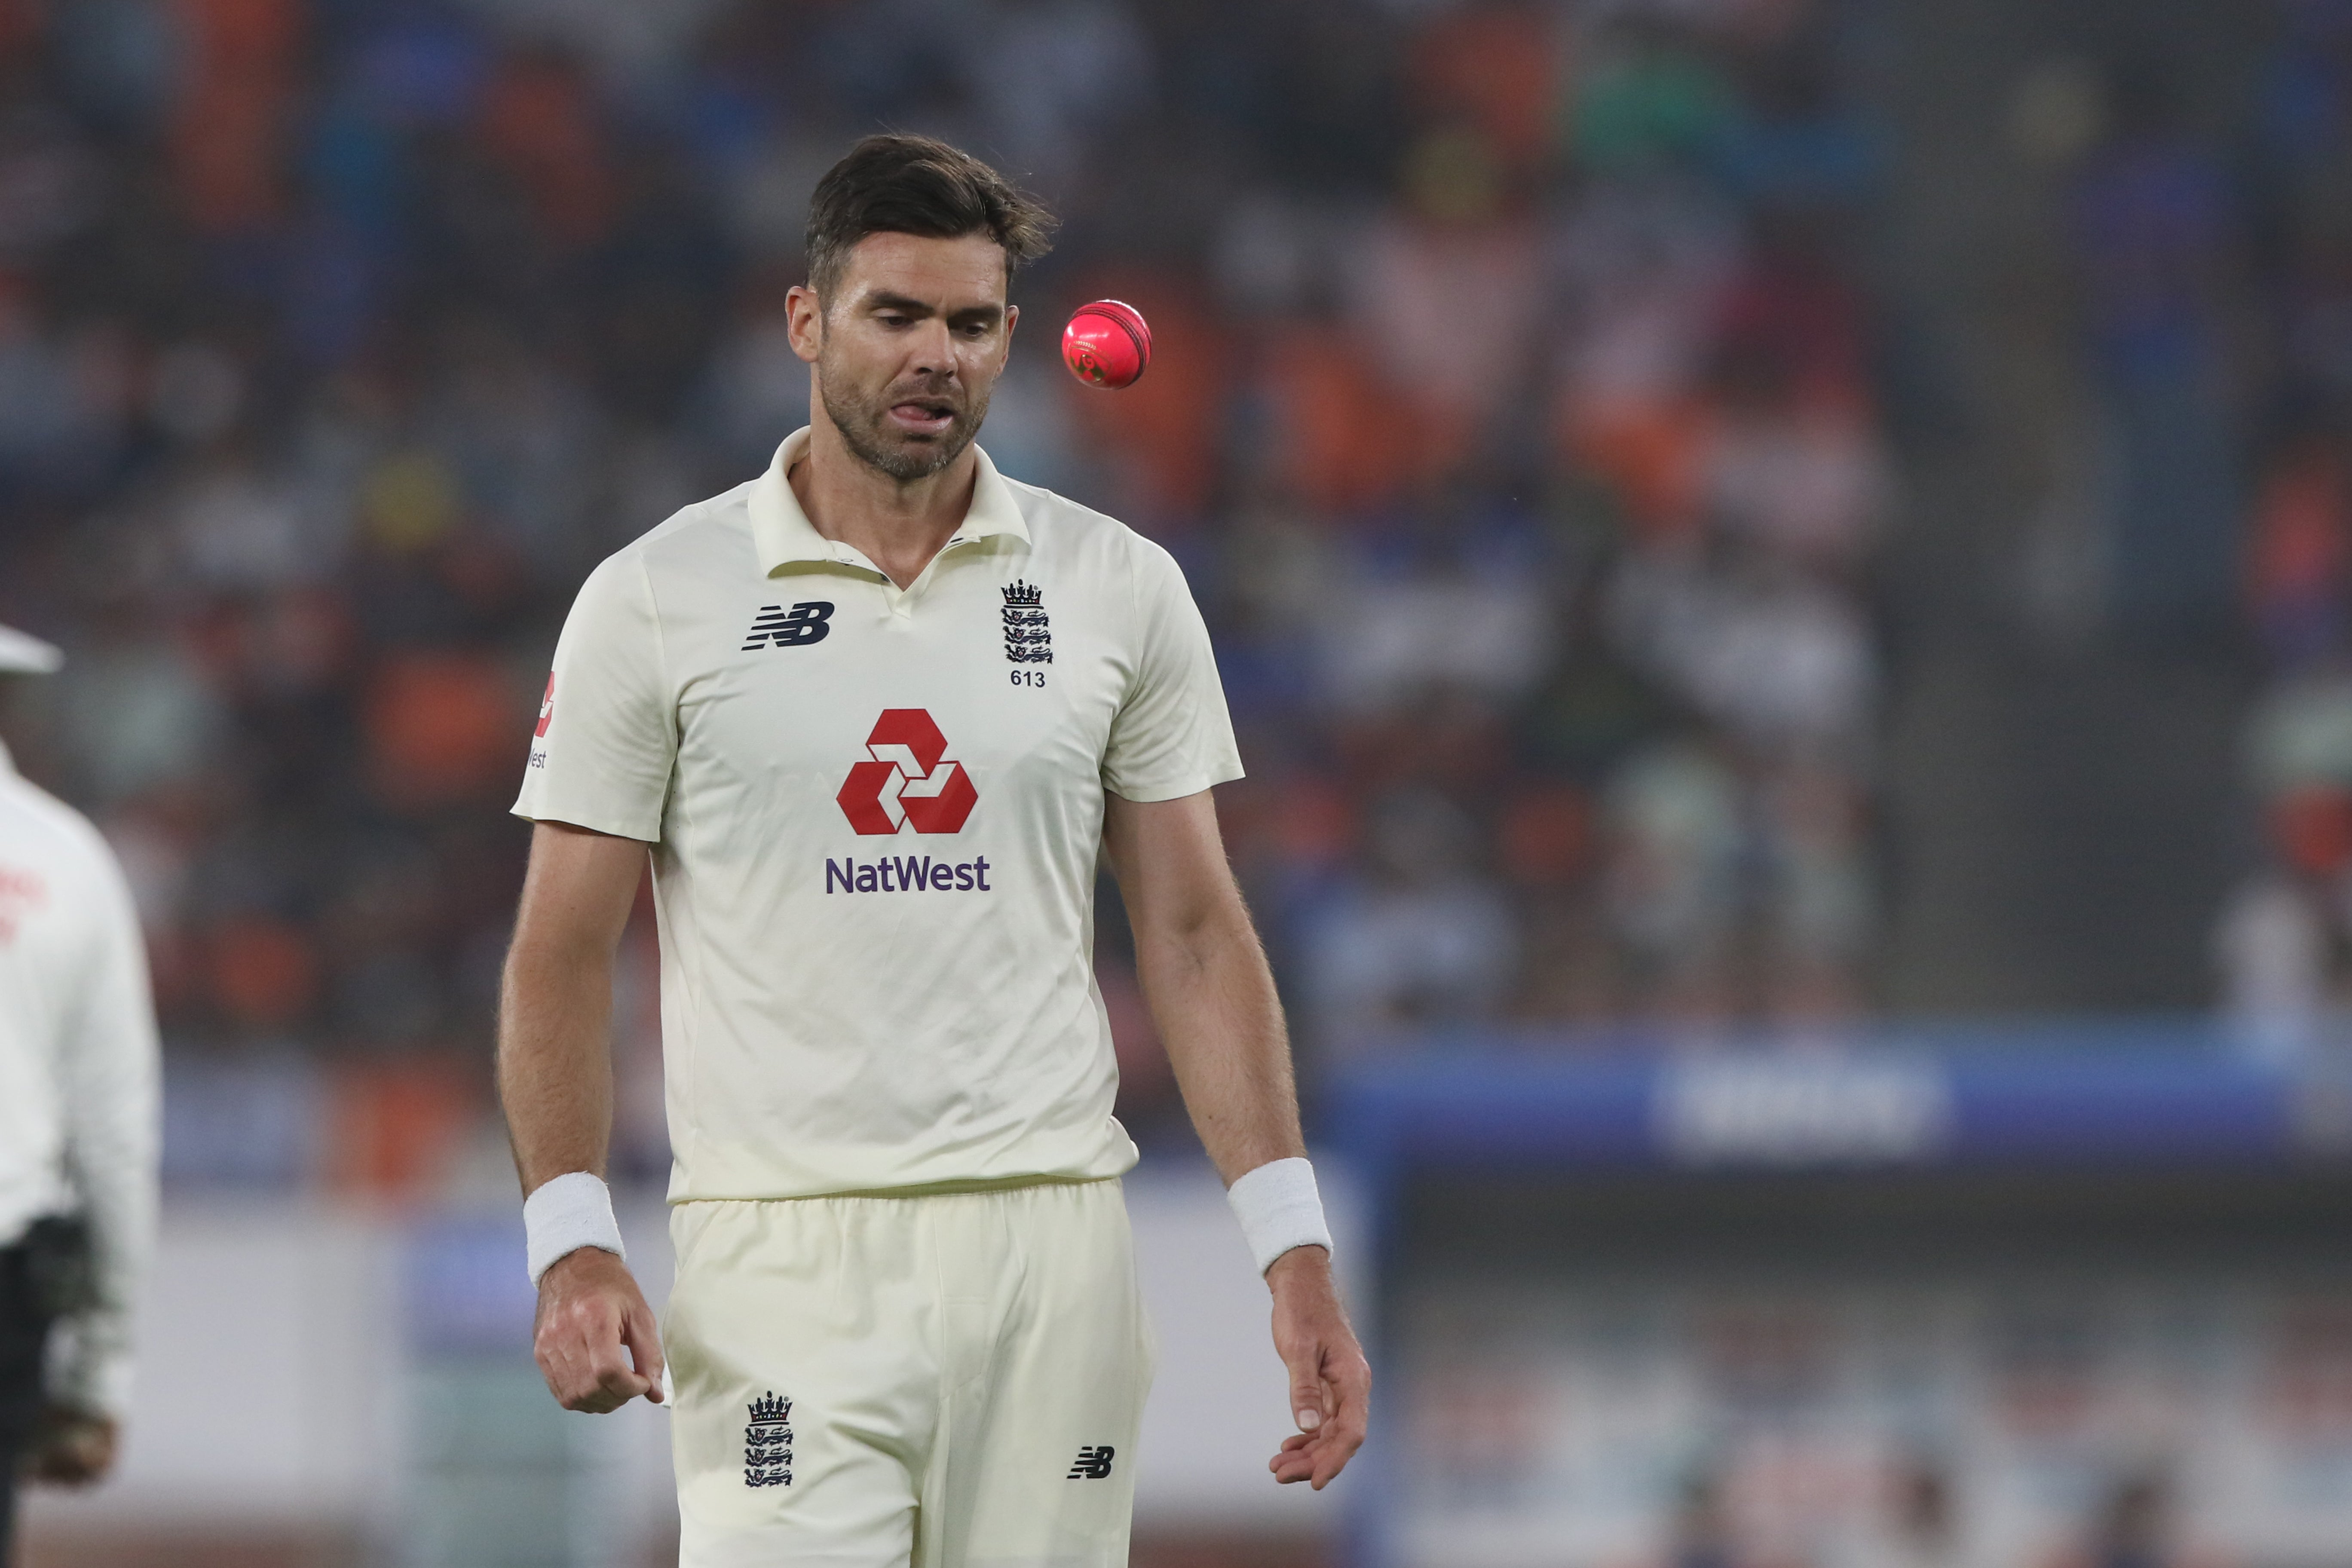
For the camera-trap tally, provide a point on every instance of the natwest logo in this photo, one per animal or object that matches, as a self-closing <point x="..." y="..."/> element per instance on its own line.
<point x="908" y="783"/>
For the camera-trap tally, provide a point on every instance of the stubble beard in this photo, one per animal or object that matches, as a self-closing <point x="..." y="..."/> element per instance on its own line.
<point x="862" y="426"/>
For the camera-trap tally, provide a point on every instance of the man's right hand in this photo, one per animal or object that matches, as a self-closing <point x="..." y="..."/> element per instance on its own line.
<point x="1331" y="1386"/>
<point x="594" y="1338"/>
<point x="72" y="1448"/>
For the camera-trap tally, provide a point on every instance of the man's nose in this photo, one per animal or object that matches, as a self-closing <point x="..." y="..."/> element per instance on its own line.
<point x="934" y="349"/>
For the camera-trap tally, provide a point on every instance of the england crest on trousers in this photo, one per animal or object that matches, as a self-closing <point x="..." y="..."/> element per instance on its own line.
<point x="768" y="1442"/>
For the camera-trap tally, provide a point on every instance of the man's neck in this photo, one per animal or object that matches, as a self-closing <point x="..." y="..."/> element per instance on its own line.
<point x="898" y="525"/>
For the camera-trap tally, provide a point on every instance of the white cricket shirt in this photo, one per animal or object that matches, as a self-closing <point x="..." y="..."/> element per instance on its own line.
<point x="78" y="1096"/>
<point x="875" y="816"/>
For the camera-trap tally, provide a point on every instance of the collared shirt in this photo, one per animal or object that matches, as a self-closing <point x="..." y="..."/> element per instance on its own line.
<point x="78" y="1066"/>
<point x="876" y="814"/>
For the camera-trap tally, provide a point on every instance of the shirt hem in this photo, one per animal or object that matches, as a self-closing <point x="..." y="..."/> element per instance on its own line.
<point x="916" y="1190"/>
<point x="1147" y="795"/>
<point x="593" y="821"/>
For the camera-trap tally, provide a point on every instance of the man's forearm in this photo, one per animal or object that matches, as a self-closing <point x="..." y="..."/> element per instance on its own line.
<point x="1213" y="998"/>
<point x="555" y="1070"/>
<point x="114" y="1136"/>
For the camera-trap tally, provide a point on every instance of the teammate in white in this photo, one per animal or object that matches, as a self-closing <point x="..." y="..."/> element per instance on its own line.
<point x="78" y="1134"/>
<point x="876" y="712"/>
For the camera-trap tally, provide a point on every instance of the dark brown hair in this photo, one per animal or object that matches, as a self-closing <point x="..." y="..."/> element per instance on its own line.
<point x="915" y="185"/>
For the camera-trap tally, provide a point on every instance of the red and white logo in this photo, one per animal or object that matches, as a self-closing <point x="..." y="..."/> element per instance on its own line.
<point x="908" y="782"/>
<point x="22" y="894"/>
<point x="546" y="705"/>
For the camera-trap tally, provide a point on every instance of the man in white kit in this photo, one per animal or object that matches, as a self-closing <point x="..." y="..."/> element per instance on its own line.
<point x="874" y="712"/>
<point x="79" y="1141"/>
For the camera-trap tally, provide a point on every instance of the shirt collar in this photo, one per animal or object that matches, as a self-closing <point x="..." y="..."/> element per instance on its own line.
<point x="783" y="534"/>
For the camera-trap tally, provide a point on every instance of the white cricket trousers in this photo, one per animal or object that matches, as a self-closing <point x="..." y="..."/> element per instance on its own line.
<point x="949" y="1381"/>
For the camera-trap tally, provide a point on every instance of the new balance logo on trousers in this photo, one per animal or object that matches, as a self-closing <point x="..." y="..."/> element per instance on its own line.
<point x="1093" y="1464"/>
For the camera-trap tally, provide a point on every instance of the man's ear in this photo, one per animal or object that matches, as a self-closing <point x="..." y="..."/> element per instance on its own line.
<point x="804" y="319"/>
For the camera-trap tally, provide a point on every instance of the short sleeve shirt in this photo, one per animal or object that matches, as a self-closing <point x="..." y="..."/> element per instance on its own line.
<point x="875" y="816"/>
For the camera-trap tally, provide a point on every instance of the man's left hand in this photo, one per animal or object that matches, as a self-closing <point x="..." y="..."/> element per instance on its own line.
<point x="72" y="1448"/>
<point x="1330" y="1383"/>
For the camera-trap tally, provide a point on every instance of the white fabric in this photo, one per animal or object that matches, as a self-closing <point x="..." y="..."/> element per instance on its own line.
<point x="1280" y="1208"/>
<point x="826" y="1028"/>
<point x="937" y="1375"/>
<point x="78" y="1073"/>
<point x="565" y="1214"/>
<point x="24" y="654"/>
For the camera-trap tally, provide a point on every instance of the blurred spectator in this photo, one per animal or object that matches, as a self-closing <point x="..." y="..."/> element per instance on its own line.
<point x="2298" y="553"/>
<point x="1421" y="939"/>
<point x="2153" y="235"/>
<point x="2283" y="940"/>
<point x="1925" y="1527"/>
<point x="1675" y="858"/>
<point x="78" y="1076"/>
<point x="235" y="96"/>
<point x="1704" y="1535"/>
<point x="1467" y="264"/>
<point x="2134" y="1528"/>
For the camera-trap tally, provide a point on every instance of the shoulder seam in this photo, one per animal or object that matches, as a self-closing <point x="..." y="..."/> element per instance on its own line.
<point x="1056" y="499"/>
<point x="661" y="650"/>
<point x="684" y="516"/>
<point x="68" y="825"/>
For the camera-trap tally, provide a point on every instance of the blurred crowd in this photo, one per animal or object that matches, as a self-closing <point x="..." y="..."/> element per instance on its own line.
<point x="2265" y="232"/>
<point x="2132" y="1523"/>
<point x="1513" y="418"/>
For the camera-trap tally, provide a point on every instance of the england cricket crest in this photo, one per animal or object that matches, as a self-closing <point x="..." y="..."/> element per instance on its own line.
<point x="1028" y="635"/>
<point x="768" y="1442"/>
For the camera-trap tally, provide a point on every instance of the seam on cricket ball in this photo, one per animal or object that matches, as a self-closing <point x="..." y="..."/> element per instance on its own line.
<point x="1142" y="354"/>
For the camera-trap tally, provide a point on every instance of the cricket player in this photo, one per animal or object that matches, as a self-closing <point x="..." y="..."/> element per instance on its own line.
<point x="876" y="712"/>
<point x="79" y="1141"/>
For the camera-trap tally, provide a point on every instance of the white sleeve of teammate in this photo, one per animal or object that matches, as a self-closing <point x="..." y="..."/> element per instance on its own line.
<point x="1173" y="736"/>
<point x="109" y="1071"/>
<point x="608" y="728"/>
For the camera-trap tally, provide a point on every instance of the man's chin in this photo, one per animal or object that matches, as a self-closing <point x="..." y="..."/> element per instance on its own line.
<point x="911" y="454"/>
<point x="902" y="455"/>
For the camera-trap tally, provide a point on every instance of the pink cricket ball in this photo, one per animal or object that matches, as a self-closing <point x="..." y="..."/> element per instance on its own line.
<point x="1107" y="344"/>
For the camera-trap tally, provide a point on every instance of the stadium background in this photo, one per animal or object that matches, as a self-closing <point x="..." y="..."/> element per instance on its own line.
<point x="1781" y="567"/>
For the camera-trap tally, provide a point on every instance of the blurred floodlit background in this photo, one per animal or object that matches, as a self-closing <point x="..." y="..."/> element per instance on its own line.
<point x="1783" y="567"/>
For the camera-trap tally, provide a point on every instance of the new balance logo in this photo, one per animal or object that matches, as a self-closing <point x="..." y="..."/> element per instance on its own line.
<point x="1094" y="1465"/>
<point x="777" y="627"/>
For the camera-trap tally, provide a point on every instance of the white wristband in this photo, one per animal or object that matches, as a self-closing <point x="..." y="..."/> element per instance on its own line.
<point x="563" y="1215"/>
<point x="1279" y="1209"/>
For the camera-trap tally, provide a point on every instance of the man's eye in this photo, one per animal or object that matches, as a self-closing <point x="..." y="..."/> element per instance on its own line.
<point x="893" y="321"/>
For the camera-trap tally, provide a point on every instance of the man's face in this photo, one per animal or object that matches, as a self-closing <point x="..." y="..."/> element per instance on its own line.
<point x="908" y="347"/>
